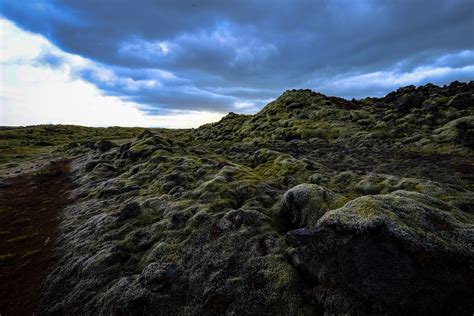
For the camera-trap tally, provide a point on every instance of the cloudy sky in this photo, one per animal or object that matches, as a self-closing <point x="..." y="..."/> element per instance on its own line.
<point x="184" y="63"/>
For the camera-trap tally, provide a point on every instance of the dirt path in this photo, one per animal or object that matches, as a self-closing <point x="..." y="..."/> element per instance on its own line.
<point x="30" y="206"/>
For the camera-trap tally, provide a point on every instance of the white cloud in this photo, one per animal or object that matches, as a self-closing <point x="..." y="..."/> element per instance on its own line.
<point x="246" y="107"/>
<point x="187" y="119"/>
<point x="34" y="93"/>
<point x="146" y="50"/>
<point x="164" y="47"/>
<point x="384" y="81"/>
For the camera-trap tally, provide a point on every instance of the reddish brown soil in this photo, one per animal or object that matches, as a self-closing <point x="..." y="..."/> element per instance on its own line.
<point x="30" y="205"/>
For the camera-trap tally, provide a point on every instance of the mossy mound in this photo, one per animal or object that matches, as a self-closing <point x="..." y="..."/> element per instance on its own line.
<point x="304" y="204"/>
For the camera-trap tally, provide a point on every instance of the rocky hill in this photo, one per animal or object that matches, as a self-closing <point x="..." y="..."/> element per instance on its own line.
<point x="314" y="205"/>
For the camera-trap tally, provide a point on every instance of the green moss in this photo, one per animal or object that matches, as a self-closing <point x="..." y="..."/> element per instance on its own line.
<point x="407" y="215"/>
<point x="282" y="166"/>
<point x="441" y="100"/>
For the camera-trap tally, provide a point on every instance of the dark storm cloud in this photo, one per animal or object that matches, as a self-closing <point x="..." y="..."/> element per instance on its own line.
<point x="214" y="55"/>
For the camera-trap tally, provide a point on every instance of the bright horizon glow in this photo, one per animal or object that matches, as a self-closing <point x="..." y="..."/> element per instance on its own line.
<point x="32" y="93"/>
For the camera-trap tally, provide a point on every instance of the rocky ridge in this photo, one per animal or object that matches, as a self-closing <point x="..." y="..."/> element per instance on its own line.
<point x="314" y="205"/>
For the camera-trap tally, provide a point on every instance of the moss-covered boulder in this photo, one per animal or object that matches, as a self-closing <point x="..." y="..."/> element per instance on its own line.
<point x="304" y="204"/>
<point x="398" y="253"/>
<point x="459" y="131"/>
<point x="103" y="145"/>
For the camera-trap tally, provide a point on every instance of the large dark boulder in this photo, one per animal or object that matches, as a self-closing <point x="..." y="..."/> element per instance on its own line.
<point x="465" y="133"/>
<point x="131" y="210"/>
<point x="155" y="276"/>
<point x="103" y="146"/>
<point x="460" y="131"/>
<point x="398" y="253"/>
<point x="408" y="101"/>
<point x="430" y="106"/>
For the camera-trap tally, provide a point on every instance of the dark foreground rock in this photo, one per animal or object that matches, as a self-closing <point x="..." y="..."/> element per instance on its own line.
<point x="399" y="253"/>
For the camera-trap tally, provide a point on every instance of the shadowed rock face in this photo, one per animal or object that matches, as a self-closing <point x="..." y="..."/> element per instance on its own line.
<point x="399" y="252"/>
<point x="313" y="205"/>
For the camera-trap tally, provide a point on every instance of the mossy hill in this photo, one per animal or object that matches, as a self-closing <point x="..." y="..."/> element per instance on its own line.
<point x="313" y="205"/>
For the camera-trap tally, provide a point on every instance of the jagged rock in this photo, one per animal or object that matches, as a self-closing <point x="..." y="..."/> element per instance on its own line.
<point x="429" y="106"/>
<point x="90" y="165"/>
<point x="408" y="101"/>
<point x="459" y="131"/>
<point x="131" y="210"/>
<point x="462" y="100"/>
<point x="168" y="186"/>
<point x="87" y="143"/>
<point x="179" y="219"/>
<point x="103" y="168"/>
<point x="399" y="253"/>
<point x="178" y="178"/>
<point x="124" y="147"/>
<point x="115" y="187"/>
<point x="199" y="173"/>
<point x="155" y="276"/>
<point x="139" y="153"/>
<point x="465" y="133"/>
<point x="103" y="145"/>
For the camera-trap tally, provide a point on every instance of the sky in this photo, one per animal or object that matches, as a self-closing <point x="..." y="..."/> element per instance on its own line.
<point x="181" y="64"/>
